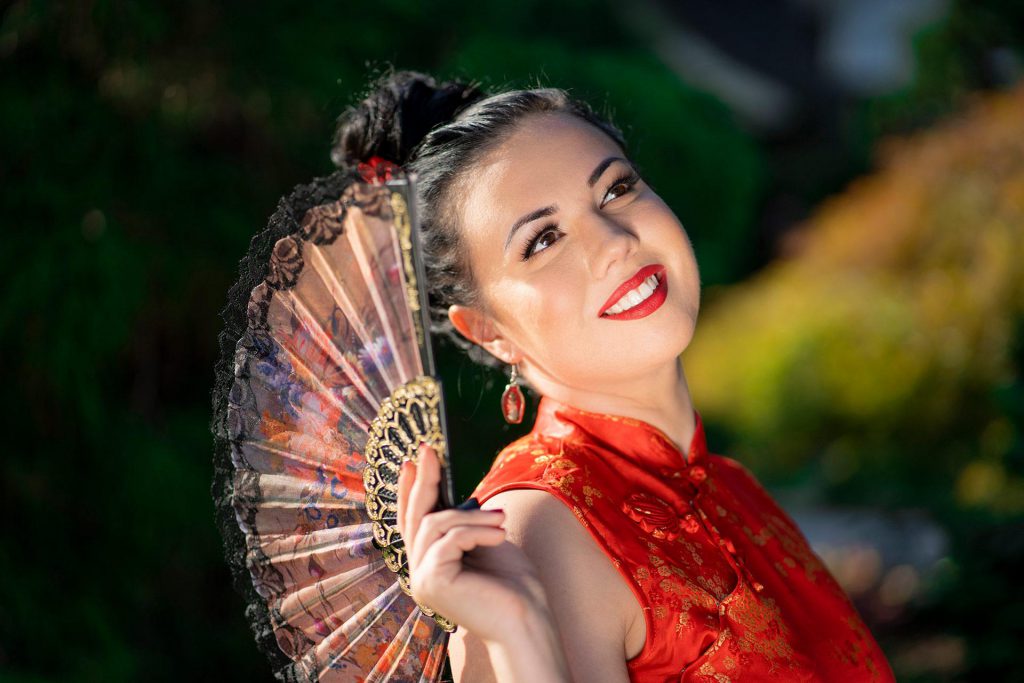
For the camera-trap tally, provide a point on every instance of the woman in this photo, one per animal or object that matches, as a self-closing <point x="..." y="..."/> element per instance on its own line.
<point x="611" y="545"/>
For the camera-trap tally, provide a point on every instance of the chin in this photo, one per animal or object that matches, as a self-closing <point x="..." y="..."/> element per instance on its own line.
<point x="643" y="351"/>
<point x="670" y="344"/>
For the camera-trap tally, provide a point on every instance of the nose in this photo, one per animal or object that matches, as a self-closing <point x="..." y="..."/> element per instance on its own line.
<point x="609" y="242"/>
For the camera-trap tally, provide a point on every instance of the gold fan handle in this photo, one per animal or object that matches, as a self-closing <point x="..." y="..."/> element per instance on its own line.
<point x="412" y="415"/>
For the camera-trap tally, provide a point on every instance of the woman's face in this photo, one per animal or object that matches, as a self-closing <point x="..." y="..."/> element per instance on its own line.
<point x="558" y="226"/>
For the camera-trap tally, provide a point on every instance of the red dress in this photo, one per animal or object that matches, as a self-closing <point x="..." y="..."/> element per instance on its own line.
<point x="729" y="585"/>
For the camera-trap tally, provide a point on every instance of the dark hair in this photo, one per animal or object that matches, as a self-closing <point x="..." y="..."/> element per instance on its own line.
<point x="440" y="131"/>
<point x="436" y="130"/>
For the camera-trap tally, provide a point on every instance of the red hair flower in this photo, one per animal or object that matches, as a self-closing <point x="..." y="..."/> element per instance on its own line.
<point x="377" y="170"/>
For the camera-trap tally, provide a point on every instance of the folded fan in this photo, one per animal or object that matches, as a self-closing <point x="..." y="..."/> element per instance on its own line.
<point x="331" y="384"/>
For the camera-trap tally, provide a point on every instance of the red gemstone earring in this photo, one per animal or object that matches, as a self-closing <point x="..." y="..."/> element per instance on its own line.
<point x="512" y="401"/>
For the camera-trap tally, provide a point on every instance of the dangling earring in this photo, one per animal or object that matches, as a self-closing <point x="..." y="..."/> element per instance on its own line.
<point x="512" y="401"/>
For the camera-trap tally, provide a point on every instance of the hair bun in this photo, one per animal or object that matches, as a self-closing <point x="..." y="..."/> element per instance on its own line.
<point x="400" y="109"/>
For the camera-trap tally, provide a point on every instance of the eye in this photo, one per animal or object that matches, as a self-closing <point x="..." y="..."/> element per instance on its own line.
<point x="624" y="184"/>
<point x="547" y="235"/>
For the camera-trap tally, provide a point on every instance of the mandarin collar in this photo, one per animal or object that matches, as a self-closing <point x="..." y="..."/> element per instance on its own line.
<point x="638" y="440"/>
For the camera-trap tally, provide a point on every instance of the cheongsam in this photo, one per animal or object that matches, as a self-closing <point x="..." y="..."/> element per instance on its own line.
<point x="730" y="588"/>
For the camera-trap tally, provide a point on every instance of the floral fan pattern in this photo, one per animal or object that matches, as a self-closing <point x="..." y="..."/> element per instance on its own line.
<point x="329" y="337"/>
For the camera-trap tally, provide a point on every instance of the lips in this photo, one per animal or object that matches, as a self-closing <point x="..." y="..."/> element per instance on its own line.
<point x="644" y="308"/>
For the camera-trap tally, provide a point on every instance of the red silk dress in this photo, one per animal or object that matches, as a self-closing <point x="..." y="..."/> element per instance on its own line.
<point x="729" y="585"/>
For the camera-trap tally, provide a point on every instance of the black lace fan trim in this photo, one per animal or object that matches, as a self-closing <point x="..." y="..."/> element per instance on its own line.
<point x="243" y="314"/>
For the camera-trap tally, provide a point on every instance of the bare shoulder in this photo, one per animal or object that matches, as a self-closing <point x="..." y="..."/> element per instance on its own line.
<point x="600" y="634"/>
<point x="534" y="517"/>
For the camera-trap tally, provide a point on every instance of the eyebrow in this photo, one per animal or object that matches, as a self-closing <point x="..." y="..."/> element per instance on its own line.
<point x="595" y="175"/>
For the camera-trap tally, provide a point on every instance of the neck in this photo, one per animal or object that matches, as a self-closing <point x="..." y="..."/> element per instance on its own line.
<point x="660" y="398"/>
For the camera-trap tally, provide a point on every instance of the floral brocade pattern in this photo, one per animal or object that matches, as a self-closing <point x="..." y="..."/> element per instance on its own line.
<point x="730" y="588"/>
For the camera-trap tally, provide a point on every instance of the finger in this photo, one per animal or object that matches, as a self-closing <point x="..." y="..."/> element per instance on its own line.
<point x="406" y="475"/>
<point x="437" y="524"/>
<point x="423" y="495"/>
<point x="442" y="561"/>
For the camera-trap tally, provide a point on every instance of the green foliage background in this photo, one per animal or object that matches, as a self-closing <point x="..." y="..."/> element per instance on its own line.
<point x="142" y="144"/>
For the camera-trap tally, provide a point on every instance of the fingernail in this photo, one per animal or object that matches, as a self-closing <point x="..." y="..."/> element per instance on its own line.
<point x="469" y="504"/>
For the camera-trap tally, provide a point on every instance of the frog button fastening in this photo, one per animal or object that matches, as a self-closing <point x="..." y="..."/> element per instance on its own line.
<point x="654" y="515"/>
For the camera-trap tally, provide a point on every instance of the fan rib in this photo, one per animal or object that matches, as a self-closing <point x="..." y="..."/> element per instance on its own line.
<point x="301" y="459"/>
<point x="396" y="650"/>
<point x="364" y="619"/>
<point x="359" y="250"/>
<point x="305" y="605"/>
<point x="347" y="307"/>
<point x="303" y="552"/>
<point x="436" y="655"/>
<point x="294" y="305"/>
<point x="406" y="313"/>
<point x="318" y="385"/>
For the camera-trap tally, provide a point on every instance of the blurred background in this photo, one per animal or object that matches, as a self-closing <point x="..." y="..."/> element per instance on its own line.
<point x="851" y="173"/>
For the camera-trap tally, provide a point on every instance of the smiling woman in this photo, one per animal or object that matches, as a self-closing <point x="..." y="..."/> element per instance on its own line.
<point x="629" y="550"/>
<point x="543" y="301"/>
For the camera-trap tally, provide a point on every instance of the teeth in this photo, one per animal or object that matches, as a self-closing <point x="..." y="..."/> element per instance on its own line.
<point x="634" y="296"/>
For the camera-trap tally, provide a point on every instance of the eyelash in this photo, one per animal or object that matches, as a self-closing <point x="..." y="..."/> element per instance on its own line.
<point x="630" y="179"/>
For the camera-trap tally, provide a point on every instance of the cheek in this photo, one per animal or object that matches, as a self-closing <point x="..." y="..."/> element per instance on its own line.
<point x="545" y="309"/>
<point x="670" y="239"/>
<point x="669" y="229"/>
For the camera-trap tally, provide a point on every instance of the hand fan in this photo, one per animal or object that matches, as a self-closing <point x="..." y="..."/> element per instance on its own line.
<point x="330" y="385"/>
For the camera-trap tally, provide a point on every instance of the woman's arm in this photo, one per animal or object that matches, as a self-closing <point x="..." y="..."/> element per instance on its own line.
<point x="461" y="565"/>
<point x="596" y="615"/>
<point x="531" y="652"/>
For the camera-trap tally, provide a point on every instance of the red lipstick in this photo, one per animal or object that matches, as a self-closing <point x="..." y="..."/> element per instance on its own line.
<point x="645" y="307"/>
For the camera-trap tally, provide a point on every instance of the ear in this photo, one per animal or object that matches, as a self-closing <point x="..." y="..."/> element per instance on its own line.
<point x="477" y="327"/>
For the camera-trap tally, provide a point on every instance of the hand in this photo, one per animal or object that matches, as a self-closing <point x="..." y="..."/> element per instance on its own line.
<point x="460" y="563"/>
